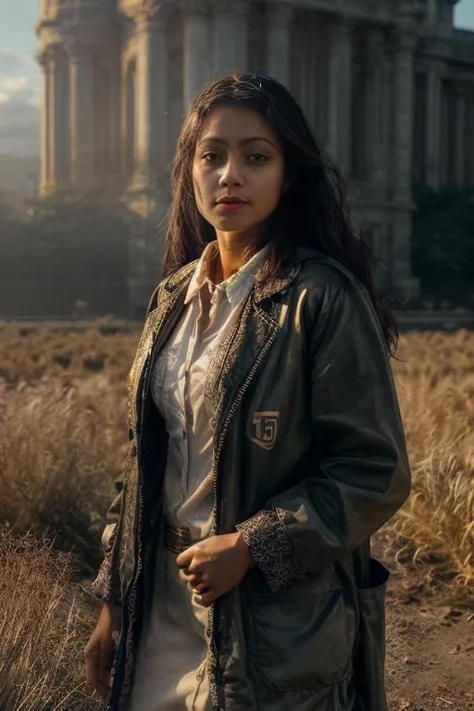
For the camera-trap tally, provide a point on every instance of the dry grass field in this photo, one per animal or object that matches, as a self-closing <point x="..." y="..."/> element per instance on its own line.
<point x="62" y="438"/>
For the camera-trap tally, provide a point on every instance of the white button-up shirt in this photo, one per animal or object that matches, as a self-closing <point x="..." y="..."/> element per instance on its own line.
<point x="171" y="666"/>
<point x="179" y="382"/>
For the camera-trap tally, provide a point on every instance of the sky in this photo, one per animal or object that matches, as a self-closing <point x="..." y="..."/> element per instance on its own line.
<point x="19" y="76"/>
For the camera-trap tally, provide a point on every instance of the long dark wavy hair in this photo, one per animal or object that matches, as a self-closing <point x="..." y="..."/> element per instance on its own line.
<point x="313" y="212"/>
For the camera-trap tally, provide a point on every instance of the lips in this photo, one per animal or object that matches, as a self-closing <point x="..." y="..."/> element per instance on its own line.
<point x="230" y="200"/>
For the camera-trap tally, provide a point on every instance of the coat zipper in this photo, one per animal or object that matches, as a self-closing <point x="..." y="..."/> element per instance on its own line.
<point x="213" y="618"/>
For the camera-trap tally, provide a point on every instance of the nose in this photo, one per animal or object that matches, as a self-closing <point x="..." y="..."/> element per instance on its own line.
<point x="231" y="174"/>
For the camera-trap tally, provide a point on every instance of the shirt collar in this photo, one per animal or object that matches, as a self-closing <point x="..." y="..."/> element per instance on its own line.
<point x="236" y="287"/>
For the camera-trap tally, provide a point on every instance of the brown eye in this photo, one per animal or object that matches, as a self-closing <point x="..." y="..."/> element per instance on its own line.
<point x="208" y="157"/>
<point x="257" y="158"/>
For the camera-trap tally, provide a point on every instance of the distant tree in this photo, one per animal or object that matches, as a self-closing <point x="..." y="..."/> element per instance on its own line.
<point x="443" y="244"/>
<point x="66" y="239"/>
<point x="12" y="236"/>
<point x="6" y="210"/>
<point x="85" y="239"/>
<point x="67" y="251"/>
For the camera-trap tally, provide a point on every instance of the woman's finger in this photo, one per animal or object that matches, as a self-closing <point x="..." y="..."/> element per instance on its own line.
<point x="105" y="658"/>
<point x="198" y="588"/>
<point x="204" y="599"/>
<point x="91" y="658"/>
<point x="93" y="673"/>
<point x="193" y="578"/>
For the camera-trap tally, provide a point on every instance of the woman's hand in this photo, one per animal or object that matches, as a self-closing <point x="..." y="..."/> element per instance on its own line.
<point x="99" y="651"/>
<point x="215" y="566"/>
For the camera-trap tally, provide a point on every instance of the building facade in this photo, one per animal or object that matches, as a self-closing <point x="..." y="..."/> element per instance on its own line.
<point x="387" y="85"/>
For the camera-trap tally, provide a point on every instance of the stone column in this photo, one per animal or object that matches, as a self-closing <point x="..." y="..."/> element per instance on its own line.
<point x="44" y="121"/>
<point x="102" y="119"/>
<point x="470" y="144"/>
<point x="230" y="37"/>
<point x="54" y="123"/>
<point x="377" y="132"/>
<point x="280" y="14"/>
<point x="433" y="127"/>
<point x="431" y="12"/>
<point x="196" y="48"/>
<point x="111" y="65"/>
<point x="460" y="136"/>
<point x="128" y="128"/>
<point x="148" y="197"/>
<point x="404" y="112"/>
<point x="340" y="88"/>
<point x="82" y="116"/>
<point x="151" y="98"/>
<point x="404" y="45"/>
<point x="114" y="117"/>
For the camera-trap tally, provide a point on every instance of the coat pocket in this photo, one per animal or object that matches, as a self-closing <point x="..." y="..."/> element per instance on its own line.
<point x="303" y="642"/>
<point x="369" y="659"/>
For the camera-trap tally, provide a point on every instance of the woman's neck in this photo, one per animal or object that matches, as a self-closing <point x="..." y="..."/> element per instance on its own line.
<point x="233" y="254"/>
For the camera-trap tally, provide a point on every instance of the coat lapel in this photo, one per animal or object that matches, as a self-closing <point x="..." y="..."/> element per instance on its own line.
<point x="166" y="308"/>
<point x="239" y="356"/>
<point x="244" y="350"/>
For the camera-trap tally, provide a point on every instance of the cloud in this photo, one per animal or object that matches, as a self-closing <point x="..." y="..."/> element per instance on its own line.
<point x="14" y="88"/>
<point x="19" y="127"/>
<point x="14" y="85"/>
<point x="12" y="61"/>
<point x="19" y="99"/>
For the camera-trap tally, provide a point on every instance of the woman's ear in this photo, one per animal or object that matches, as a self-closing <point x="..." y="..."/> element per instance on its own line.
<point x="286" y="185"/>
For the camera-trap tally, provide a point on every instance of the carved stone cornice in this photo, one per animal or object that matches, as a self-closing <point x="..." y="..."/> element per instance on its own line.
<point x="50" y="57"/>
<point x="78" y="51"/>
<point x="45" y="58"/>
<point x="376" y="48"/>
<point x="342" y="29"/>
<point x="195" y="7"/>
<point x="282" y="10"/>
<point x="404" y="38"/>
<point x="152" y="14"/>
<point x="237" y="8"/>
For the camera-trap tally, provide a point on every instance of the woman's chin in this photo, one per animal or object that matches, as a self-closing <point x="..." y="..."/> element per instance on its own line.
<point x="231" y="223"/>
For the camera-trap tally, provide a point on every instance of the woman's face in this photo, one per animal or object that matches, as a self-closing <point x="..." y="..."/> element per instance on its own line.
<point x="238" y="171"/>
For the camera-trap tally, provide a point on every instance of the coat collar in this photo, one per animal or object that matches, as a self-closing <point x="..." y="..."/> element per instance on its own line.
<point x="263" y="290"/>
<point x="236" y="287"/>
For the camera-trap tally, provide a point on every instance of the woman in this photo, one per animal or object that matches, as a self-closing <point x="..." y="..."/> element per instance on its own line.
<point x="266" y="445"/>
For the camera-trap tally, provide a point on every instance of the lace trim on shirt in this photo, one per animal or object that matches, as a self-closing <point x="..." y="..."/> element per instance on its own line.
<point x="165" y="361"/>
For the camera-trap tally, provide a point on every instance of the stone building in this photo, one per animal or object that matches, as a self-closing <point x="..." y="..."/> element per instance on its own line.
<point x="388" y="86"/>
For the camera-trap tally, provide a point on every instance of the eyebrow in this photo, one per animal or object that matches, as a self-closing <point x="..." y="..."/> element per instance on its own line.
<point x="243" y="142"/>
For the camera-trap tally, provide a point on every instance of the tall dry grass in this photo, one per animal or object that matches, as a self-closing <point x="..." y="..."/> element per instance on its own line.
<point x="44" y="624"/>
<point x="435" y="384"/>
<point x="62" y="439"/>
<point x="61" y="446"/>
<point x="32" y="354"/>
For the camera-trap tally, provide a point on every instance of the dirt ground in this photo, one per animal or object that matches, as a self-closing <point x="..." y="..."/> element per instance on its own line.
<point x="430" y="641"/>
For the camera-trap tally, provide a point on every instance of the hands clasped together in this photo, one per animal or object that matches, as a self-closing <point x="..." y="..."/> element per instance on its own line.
<point x="211" y="568"/>
<point x="214" y="566"/>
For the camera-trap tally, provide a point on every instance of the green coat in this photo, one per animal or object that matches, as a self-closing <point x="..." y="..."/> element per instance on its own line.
<point x="310" y="460"/>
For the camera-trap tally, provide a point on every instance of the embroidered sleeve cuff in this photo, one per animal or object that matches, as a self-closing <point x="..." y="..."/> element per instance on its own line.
<point x="106" y="585"/>
<point x="271" y="549"/>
